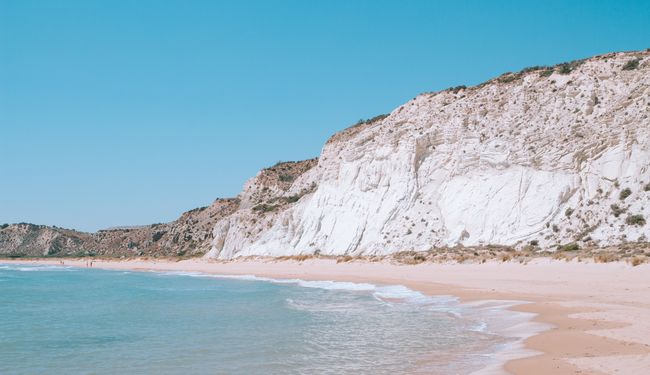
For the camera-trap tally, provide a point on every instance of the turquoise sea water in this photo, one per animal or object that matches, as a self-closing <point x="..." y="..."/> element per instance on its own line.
<point x="60" y="320"/>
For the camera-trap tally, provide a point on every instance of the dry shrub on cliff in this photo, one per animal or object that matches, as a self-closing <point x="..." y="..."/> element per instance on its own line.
<point x="461" y="258"/>
<point x="344" y="259"/>
<point x="505" y="257"/>
<point x="297" y="258"/>
<point x="606" y="257"/>
<point x="558" y="255"/>
<point x="637" y="260"/>
<point x="410" y="257"/>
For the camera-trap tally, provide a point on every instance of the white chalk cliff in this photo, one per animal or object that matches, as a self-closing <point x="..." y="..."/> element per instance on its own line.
<point x="544" y="155"/>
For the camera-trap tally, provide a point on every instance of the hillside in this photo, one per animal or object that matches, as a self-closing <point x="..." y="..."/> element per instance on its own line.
<point x="538" y="159"/>
<point x="543" y="157"/>
<point x="188" y="235"/>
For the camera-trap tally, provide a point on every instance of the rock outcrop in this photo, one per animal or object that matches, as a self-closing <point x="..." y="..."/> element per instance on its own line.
<point x="189" y="235"/>
<point x="547" y="156"/>
<point x="543" y="157"/>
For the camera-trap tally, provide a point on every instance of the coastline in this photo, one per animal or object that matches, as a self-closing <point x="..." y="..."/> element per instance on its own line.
<point x="595" y="311"/>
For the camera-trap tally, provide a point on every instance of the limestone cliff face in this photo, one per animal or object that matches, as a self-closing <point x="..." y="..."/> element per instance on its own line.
<point x="548" y="155"/>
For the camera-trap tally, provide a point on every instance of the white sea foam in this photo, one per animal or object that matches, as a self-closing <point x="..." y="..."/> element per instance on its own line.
<point x="382" y="292"/>
<point x="39" y="268"/>
<point x="488" y="316"/>
<point x="511" y="324"/>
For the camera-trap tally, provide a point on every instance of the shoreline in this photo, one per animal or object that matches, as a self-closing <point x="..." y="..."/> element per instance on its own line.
<point x="594" y="310"/>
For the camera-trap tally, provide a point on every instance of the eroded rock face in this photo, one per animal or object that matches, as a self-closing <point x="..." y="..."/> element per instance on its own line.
<point x="274" y="189"/>
<point x="546" y="155"/>
<point x="189" y="235"/>
<point x="39" y="240"/>
<point x="542" y="155"/>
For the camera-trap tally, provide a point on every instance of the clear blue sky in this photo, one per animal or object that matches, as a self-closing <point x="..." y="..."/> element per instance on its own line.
<point x="131" y="112"/>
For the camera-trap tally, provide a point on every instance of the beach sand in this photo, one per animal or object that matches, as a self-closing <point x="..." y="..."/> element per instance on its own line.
<point x="598" y="315"/>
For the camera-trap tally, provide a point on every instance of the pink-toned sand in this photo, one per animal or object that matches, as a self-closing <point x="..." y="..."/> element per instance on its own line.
<point x="600" y="313"/>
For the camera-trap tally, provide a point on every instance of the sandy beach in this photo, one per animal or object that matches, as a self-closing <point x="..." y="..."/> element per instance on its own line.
<point x="596" y="314"/>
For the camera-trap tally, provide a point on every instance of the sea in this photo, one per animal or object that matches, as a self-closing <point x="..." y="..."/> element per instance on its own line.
<point x="67" y="320"/>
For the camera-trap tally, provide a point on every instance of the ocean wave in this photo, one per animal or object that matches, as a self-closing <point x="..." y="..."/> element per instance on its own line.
<point x="37" y="268"/>
<point x="384" y="293"/>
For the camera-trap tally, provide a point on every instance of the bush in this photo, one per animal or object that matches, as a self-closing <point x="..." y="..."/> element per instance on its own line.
<point x="456" y="89"/>
<point x="606" y="258"/>
<point x="533" y="68"/>
<point x="568" y="212"/>
<point x="556" y="228"/>
<point x="631" y="65"/>
<point x="3" y="226"/>
<point x="344" y="259"/>
<point x="286" y="178"/>
<point x="635" y="220"/>
<point x="617" y="210"/>
<point x="637" y="260"/>
<point x="546" y="72"/>
<point x="264" y="207"/>
<point x="565" y="69"/>
<point x="624" y="194"/>
<point x="505" y="257"/>
<point x="378" y="118"/>
<point x="647" y="187"/>
<point x="534" y="243"/>
<point x="570" y="247"/>
<point x="508" y="77"/>
<point x="292" y="199"/>
<point x="157" y="236"/>
<point x="416" y="259"/>
<point x="371" y="120"/>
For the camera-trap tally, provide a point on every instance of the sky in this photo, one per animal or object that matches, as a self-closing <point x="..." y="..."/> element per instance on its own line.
<point x="131" y="112"/>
